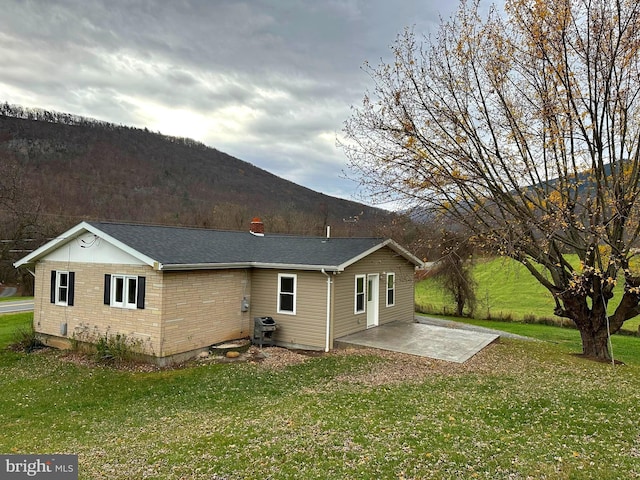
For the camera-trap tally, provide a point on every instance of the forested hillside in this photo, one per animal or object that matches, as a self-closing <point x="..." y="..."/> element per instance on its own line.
<point x="58" y="169"/>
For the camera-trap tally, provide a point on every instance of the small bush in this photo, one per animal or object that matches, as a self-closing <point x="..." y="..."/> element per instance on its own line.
<point x="501" y="317"/>
<point x="107" y="348"/>
<point x="427" y="308"/>
<point x="117" y="348"/>
<point x="25" y="339"/>
<point x="552" y="322"/>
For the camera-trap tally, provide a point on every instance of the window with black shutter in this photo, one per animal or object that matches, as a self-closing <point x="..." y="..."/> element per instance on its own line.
<point x="62" y="287"/>
<point x="124" y="291"/>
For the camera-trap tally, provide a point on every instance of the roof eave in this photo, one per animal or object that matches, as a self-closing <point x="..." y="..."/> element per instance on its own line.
<point x="396" y="247"/>
<point x="75" y="232"/>
<point x="51" y="245"/>
<point x="199" y="266"/>
<point x="297" y="266"/>
<point x="386" y="243"/>
<point x="235" y="265"/>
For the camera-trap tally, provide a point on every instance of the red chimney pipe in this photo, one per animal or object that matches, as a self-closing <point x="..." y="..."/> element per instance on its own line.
<point x="257" y="227"/>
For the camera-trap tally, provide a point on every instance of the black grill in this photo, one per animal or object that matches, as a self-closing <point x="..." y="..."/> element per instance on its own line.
<point x="263" y="328"/>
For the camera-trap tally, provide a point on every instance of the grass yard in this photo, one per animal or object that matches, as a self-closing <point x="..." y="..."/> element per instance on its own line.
<point x="517" y="410"/>
<point x="12" y="299"/>
<point x="505" y="288"/>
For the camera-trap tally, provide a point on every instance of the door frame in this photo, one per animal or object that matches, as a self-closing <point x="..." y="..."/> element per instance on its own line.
<point x="373" y="299"/>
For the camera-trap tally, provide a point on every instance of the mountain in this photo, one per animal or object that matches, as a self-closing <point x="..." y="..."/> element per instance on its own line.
<point x="82" y="168"/>
<point x="57" y="169"/>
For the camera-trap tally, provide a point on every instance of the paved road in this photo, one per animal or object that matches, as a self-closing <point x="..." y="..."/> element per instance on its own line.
<point x="16" y="306"/>
<point x="8" y="291"/>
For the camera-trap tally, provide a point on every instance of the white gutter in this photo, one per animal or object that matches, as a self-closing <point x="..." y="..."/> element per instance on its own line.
<point x="328" y="332"/>
<point x="222" y="266"/>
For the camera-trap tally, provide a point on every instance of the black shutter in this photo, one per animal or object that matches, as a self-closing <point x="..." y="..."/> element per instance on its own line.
<point x="72" y="288"/>
<point x="53" y="286"/>
<point x="141" y="291"/>
<point x="107" y="289"/>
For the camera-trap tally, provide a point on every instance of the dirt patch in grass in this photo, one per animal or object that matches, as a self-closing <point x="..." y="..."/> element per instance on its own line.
<point x="500" y="358"/>
<point x="386" y="367"/>
<point x="596" y="359"/>
<point x="402" y="368"/>
<point x="394" y="367"/>
<point x="278" y="358"/>
<point x="89" y="361"/>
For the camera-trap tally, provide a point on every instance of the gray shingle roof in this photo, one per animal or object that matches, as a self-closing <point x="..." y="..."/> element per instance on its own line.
<point x="175" y="246"/>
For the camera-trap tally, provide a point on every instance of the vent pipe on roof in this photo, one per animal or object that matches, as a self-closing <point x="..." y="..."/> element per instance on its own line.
<point x="257" y="227"/>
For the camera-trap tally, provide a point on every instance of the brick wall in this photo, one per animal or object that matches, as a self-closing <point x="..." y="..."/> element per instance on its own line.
<point x="203" y="307"/>
<point x="184" y="311"/>
<point x="89" y="317"/>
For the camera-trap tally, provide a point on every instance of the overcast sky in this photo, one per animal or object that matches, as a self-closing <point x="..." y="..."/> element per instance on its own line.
<point x="269" y="82"/>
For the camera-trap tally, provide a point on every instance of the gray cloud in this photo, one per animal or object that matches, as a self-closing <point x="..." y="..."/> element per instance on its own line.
<point x="270" y="82"/>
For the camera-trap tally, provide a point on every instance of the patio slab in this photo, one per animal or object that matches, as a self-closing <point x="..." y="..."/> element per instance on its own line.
<point x="442" y="343"/>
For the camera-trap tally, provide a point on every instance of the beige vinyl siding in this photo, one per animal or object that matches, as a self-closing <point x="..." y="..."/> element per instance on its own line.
<point x="89" y="317"/>
<point x="307" y="327"/>
<point x="380" y="262"/>
<point x="203" y="307"/>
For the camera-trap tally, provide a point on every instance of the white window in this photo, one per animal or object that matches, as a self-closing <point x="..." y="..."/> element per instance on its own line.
<point x="124" y="291"/>
<point x="287" y="293"/>
<point x="359" y="304"/>
<point x="62" y="288"/>
<point x="391" y="289"/>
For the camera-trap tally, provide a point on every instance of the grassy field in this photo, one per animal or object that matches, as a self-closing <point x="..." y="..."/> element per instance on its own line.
<point x="505" y="289"/>
<point x="517" y="410"/>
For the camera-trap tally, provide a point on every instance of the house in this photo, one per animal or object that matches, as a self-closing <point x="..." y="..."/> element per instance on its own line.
<point x="176" y="291"/>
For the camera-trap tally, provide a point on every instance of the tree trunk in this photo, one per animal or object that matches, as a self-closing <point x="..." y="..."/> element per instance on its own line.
<point x="460" y="301"/>
<point x="595" y="342"/>
<point x="592" y="325"/>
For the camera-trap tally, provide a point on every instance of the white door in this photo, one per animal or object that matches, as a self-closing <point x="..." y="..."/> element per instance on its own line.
<point x="373" y="291"/>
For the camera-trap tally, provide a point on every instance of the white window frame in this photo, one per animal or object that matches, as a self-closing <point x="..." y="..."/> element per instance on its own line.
<point x="392" y="289"/>
<point x="362" y="293"/>
<point x="60" y="287"/>
<point x="127" y="281"/>
<point x="294" y="294"/>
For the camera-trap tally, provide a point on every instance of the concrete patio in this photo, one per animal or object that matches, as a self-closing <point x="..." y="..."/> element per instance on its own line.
<point x="425" y="340"/>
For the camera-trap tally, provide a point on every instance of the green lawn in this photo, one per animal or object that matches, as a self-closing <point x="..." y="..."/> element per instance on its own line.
<point x="505" y="288"/>
<point x="11" y="299"/>
<point x="517" y="410"/>
<point x="625" y="348"/>
<point x="10" y="323"/>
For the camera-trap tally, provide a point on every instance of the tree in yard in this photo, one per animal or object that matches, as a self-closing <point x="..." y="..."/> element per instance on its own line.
<point x="523" y="127"/>
<point x="453" y="271"/>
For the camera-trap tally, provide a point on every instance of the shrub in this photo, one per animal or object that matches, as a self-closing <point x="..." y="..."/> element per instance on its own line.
<point x="117" y="348"/>
<point x="108" y="348"/>
<point x="427" y="308"/>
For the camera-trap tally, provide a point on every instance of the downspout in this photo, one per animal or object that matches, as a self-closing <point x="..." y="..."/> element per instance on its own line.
<point x="328" y="326"/>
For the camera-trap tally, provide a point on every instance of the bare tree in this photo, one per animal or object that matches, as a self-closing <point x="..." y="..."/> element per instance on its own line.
<point x="19" y="218"/>
<point x="524" y="127"/>
<point x="454" y="271"/>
